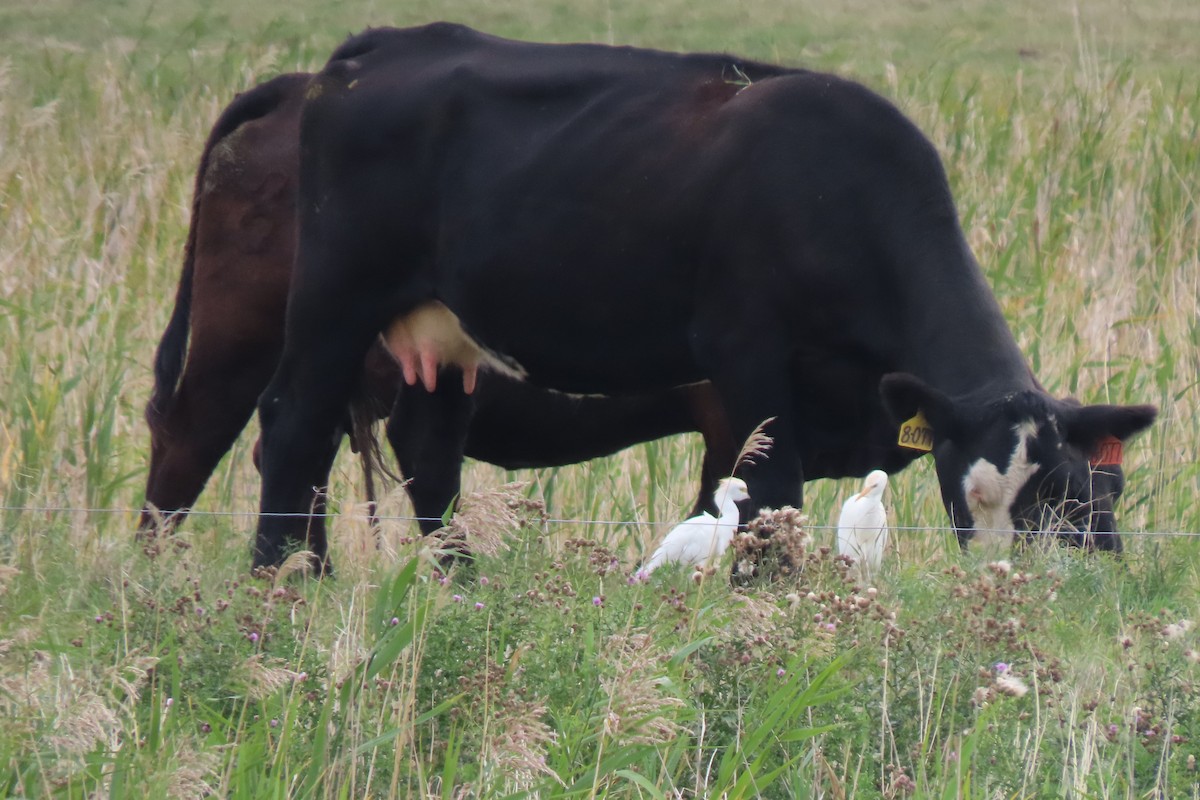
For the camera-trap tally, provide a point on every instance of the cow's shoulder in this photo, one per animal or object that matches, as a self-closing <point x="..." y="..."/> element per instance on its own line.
<point x="795" y="101"/>
<point x="384" y="40"/>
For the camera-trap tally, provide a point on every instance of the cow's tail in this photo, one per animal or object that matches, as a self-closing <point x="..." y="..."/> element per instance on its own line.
<point x="364" y="413"/>
<point x="171" y="355"/>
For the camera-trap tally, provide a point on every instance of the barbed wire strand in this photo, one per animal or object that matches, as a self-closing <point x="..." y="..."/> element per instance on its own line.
<point x="364" y="517"/>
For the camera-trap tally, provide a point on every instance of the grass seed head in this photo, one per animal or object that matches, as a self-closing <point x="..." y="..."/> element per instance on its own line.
<point x="486" y="520"/>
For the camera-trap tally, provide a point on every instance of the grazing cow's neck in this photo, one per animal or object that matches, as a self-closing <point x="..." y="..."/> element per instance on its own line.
<point x="959" y="342"/>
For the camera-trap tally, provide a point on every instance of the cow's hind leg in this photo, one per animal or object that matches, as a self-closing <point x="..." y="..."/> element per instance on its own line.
<point x="206" y="414"/>
<point x="428" y="431"/>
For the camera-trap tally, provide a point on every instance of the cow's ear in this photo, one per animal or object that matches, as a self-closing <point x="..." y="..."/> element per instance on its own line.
<point x="1086" y="426"/>
<point x="905" y="395"/>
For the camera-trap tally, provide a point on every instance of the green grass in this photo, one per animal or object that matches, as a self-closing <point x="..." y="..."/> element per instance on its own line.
<point x="1071" y="133"/>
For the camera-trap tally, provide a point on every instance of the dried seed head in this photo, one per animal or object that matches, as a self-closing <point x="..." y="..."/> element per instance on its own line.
<point x="636" y="700"/>
<point x="757" y="445"/>
<point x="516" y="745"/>
<point x="262" y="680"/>
<point x="84" y="723"/>
<point x="486" y="519"/>
<point x="300" y="562"/>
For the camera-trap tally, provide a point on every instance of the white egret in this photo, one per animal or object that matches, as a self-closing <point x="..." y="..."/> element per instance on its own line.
<point x="702" y="539"/>
<point x="862" y="527"/>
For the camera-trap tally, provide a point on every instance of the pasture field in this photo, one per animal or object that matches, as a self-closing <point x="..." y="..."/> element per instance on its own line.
<point x="1071" y="132"/>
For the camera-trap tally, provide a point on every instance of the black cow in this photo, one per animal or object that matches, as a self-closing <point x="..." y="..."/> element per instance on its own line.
<point x="613" y="220"/>
<point x="226" y="332"/>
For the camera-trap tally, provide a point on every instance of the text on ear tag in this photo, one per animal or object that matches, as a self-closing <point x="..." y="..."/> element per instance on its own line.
<point x="1109" y="452"/>
<point x="916" y="434"/>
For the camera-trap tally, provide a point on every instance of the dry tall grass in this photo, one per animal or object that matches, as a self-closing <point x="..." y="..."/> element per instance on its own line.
<point x="1076" y="173"/>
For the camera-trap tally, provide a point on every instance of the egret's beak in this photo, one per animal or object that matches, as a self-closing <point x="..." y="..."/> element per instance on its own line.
<point x="866" y="490"/>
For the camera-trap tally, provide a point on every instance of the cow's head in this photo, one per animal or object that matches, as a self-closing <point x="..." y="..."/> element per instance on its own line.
<point x="1024" y="461"/>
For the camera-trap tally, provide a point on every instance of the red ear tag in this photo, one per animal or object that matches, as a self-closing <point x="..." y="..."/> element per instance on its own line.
<point x="1109" y="452"/>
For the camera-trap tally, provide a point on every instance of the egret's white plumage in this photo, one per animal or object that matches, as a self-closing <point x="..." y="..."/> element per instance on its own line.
<point x="862" y="527"/>
<point x="702" y="539"/>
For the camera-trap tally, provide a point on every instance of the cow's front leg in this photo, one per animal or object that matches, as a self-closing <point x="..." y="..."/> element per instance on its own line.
<point x="428" y="432"/>
<point x="301" y="412"/>
<point x="754" y="387"/>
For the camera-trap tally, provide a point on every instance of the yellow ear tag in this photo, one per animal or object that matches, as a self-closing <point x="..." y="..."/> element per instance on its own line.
<point x="916" y="434"/>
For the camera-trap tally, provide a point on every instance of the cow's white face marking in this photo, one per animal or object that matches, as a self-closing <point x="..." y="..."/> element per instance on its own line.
<point x="990" y="493"/>
<point x="431" y="336"/>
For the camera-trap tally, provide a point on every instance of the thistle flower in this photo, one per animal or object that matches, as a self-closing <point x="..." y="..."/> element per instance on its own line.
<point x="1177" y="629"/>
<point x="1011" y="685"/>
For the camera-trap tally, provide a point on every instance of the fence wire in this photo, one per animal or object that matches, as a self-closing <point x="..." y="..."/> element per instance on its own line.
<point x="375" y="518"/>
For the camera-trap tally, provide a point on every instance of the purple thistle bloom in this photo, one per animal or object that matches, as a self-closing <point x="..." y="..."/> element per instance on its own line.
<point x="483" y="580"/>
<point x="596" y="601"/>
<point x="1001" y="668"/>
<point x="253" y="637"/>
<point x="479" y="606"/>
<point x="395" y="621"/>
<point x="779" y="673"/>
<point x="458" y="598"/>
